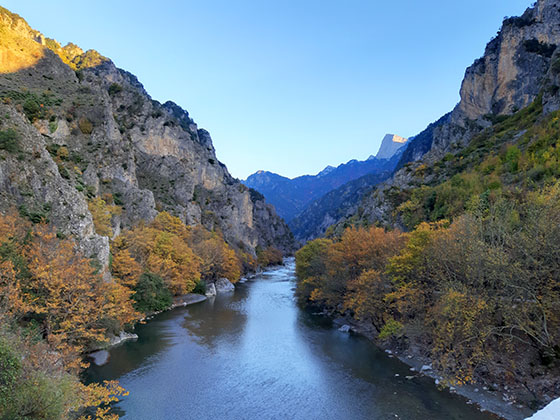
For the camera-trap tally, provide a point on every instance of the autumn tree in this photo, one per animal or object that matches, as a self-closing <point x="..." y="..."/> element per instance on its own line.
<point x="102" y="214"/>
<point x="311" y="268"/>
<point x="218" y="259"/>
<point x="162" y="248"/>
<point x="269" y="256"/>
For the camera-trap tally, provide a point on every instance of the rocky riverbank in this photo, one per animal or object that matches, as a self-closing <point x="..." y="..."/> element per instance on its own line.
<point x="498" y="401"/>
<point x="100" y="355"/>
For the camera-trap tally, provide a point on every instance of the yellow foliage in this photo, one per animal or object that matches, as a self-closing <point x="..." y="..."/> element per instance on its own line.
<point x="160" y="248"/>
<point x="101" y="396"/>
<point x="102" y="213"/>
<point x="125" y="268"/>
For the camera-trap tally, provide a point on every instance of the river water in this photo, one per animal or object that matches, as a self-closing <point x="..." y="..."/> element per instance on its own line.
<point x="255" y="354"/>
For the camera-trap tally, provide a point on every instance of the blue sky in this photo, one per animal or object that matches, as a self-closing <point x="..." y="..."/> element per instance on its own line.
<point x="287" y="86"/>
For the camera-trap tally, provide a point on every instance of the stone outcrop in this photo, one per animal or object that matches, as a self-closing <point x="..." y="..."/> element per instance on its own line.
<point x="390" y="145"/>
<point x="210" y="290"/>
<point x="223" y="285"/>
<point x="98" y="133"/>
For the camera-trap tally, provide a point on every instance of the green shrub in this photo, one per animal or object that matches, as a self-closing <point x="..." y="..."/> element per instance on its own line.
<point x="10" y="368"/>
<point x="200" y="288"/>
<point x="32" y="394"/>
<point x="34" y="106"/>
<point x="448" y="157"/>
<point x="117" y="199"/>
<point x="86" y="127"/>
<point x="114" y="89"/>
<point x="9" y="140"/>
<point x="151" y="294"/>
<point x="53" y="126"/>
<point x="512" y="158"/>
<point x="391" y="328"/>
<point x="32" y="109"/>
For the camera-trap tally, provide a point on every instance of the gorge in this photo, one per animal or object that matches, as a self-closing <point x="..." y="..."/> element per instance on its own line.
<point x="343" y="294"/>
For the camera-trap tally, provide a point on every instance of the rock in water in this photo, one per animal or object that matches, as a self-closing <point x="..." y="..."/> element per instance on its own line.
<point x="122" y="337"/>
<point x="223" y="285"/>
<point x="345" y="328"/>
<point x="100" y="357"/>
<point x="210" y="290"/>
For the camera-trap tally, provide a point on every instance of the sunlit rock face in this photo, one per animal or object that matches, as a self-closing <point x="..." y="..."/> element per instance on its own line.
<point x="390" y="145"/>
<point x="510" y="74"/>
<point x="118" y="143"/>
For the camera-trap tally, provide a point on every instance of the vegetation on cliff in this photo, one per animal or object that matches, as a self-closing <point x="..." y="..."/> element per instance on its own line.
<point x="55" y="304"/>
<point x="476" y="277"/>
<point x="471" y="292"/>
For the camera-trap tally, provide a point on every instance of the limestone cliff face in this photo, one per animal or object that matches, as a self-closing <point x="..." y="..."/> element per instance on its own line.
<point x="390" y="145"/>
<point x="508" y="77"/>
<point x="97" y="133"/>
<point x="519" y="64"/>
<point x="510" y="74"/>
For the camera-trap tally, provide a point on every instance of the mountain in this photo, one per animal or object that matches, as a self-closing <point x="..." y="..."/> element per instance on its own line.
<point x="337" y="204"/>
<point x="390" y="145"/>
<point x="291" y="196"/>
<point x="74" y="128"/>
<point x="509" y="92"/>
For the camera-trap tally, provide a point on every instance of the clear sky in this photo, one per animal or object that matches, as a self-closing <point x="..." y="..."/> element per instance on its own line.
<point x="288" y="86"/>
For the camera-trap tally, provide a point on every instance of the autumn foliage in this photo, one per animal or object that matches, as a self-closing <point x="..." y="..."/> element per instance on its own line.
<point x="55" y="303"/>
<point x="52" y="292"/>
<point x="180" y="255"/>
<point x="473" y="291"/>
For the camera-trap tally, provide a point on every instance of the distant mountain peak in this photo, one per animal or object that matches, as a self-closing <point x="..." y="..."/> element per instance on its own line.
<point x="390" y="145"/>
<point x="326" y="171"/>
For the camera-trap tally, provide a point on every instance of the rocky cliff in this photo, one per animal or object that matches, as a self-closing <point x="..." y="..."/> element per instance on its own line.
<point x="390" y="145"/>
<point x="75" y="128"/>
<point x="518" y="65"/>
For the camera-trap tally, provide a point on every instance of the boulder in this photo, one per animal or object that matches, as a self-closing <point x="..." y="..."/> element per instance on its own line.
<point x="210" y="290"/>
<point x="100" y="357"/>
<point x="122" y="337"/>
<point x="223" y="285"/>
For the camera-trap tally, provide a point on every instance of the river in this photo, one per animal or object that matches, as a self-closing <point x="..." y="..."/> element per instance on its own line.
<point x="255" y="354"/>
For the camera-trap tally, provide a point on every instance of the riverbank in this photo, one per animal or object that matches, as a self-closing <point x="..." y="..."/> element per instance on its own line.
<point x="229" y="346"/>
<point x="496" y="402"/>
<point x="100" y="356"/>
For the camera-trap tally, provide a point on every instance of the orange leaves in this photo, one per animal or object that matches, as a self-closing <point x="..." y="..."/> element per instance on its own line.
<point x="160" y="248"/>
<point x="269" y="256"/>
<point x="56" y="285"/>
<point x="179" y="254"/>
<point x="361" y="249"/>
<point x="125" y="268"/>
<point x="11" y="300"/>
<point x="217" y="258"/>
<point x="64" y="291"/>
<point x="348" y="270"/>
<point x="102" y="214"/>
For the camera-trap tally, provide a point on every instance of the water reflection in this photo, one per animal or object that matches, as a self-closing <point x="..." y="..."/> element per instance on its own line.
<point x="255" y="355"/>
